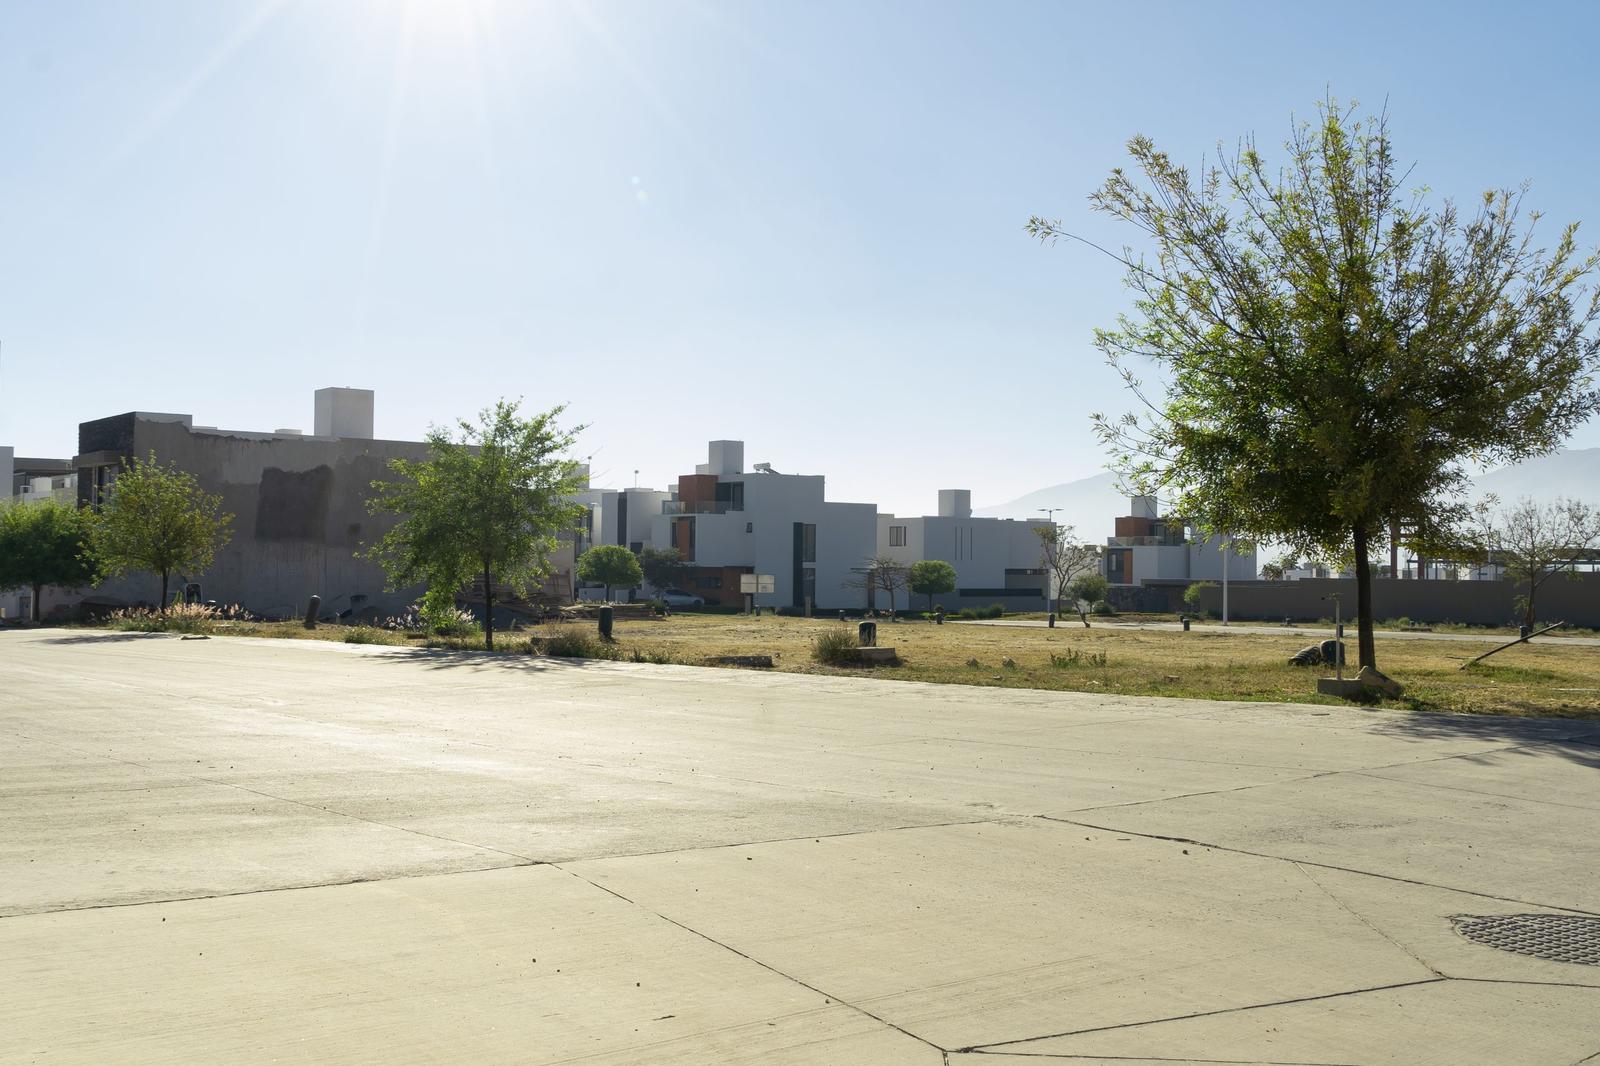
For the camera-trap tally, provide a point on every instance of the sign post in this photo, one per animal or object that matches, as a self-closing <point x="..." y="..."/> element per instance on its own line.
<point x="753" y="585"/>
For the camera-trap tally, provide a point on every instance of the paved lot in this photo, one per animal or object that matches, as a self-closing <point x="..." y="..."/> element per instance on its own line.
<point x="252" y="851"/>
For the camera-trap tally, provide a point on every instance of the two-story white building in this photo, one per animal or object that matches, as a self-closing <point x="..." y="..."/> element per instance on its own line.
<point x="727" y="522"/>
<point x="997" y="560"/>
<point x="1148" y="547"/>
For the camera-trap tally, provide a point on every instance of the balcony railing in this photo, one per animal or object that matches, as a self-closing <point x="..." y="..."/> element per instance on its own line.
<point x="1146" y="542"/>
<point x="698" y="507"/>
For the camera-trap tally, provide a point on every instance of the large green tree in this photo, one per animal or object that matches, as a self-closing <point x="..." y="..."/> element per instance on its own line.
<point x="491" y="501"/>
<point x="932" y="577"/>
<point x="43" y="544"/>
<point x="664" y="568"/>
<point x="1332" y="347"/>
<point x="610" y="565"/>
<point x="158" y="519"/>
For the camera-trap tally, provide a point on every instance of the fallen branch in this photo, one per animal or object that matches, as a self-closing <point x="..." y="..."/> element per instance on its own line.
<point x="1519" y="640"/>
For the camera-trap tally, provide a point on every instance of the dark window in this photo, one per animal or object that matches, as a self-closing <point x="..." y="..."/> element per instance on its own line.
<point x="709" y="581"/>
<point x="749" y="527"/>
<point x="897" y="536"/>
<point x="730" y="494"/>
<point x="636" y="547"/>
<point x="622" y="518"/>
<point x="808" y="543"/>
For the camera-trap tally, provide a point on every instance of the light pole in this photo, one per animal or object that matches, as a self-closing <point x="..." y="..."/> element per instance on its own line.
<point x="1049" y="562"/>
<point x="1227" y="549"/>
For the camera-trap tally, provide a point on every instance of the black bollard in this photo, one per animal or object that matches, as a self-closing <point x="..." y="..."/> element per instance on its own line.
<point x="1052" y="619"/>
<point x="605" y="623"/>
<point x="1186" y="623"/>
<point x="1522" y="632"/>
<point x="312" y="610"/>
<point x="867" y="634"/>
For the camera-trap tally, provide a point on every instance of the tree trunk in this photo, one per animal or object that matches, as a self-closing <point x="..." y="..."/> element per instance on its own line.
<point x="1527" y="612"/>
<point x="488" y="608"/>
<point x="1367" y="651"/>
<point x="38" y="589"/>
<point x="1083" y="616"/>
<point x="164" y="592"/>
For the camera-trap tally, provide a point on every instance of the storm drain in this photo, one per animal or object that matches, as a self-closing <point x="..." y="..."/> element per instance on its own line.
<point x="1557" y="937"/>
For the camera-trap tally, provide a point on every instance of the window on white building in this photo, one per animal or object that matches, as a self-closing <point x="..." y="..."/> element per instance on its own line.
<point x="897" y="536"/>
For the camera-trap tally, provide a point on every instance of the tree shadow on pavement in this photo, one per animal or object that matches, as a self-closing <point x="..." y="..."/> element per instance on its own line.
<point x="1575" y="739"/>
<point x="111" y="638"/>
<point x="446" y="659"/>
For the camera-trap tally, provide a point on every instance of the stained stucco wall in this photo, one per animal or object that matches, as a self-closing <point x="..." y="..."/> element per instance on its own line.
<point x="299" y="507"/>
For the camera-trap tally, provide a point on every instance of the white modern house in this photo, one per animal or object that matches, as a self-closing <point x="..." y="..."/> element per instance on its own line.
<point x="1148" y="547"/>
<point x="728" y="521"/>
<point x="995" y="559"/>
<point x="622" y="516"/>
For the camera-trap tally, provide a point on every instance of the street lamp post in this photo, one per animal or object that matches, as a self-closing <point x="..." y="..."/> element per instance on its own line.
<point x="1227" y="549"/>
<point x="1049" y="563"/>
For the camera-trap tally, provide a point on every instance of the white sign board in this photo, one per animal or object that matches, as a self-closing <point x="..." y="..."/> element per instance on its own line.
<point x="757" y="584"/>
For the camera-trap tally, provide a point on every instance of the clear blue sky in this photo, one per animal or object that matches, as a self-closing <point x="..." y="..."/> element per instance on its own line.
<point x="688" y="220"/>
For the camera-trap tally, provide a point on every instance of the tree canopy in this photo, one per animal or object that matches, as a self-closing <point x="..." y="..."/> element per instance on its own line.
<point x="932" y="577"/>
<point x="1331" y="348"/>
<point x="490" y="501"/>
<point x="664" y="568"/>
<point x="41" y="544"/>
<point x="1085" y="590"/>
<point x="158" y="519"/>
<point x="610" y="565"/>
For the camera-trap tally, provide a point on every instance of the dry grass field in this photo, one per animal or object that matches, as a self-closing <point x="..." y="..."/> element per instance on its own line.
<point x="1536" y="679"/>
<point x="1545" y="679"/>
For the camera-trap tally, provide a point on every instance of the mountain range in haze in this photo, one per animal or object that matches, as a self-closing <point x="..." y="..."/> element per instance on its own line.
<point x="1092" y="504"/>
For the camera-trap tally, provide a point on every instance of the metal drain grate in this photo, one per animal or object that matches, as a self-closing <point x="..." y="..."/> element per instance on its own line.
<point x="1557" y="937"/>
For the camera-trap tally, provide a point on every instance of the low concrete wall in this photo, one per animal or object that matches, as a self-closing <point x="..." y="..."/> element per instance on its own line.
<point x="1485" y="603"/>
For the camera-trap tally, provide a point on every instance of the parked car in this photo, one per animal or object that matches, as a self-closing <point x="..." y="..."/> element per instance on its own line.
<point x="680" y="598"/>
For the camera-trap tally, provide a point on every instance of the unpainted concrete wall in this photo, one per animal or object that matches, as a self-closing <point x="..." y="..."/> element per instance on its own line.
<point x="300" y="515"/>
<point x="1575" y="600"/>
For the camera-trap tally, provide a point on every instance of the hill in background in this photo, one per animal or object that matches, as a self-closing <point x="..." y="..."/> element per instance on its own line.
<point x="1092" y="504"/>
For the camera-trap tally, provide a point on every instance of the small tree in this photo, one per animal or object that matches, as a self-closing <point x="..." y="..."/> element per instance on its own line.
<point x="608" y="565"/>
<point x="1535" y="542"/>
<point x="1194" y="593"/>
<point x="1086" y="590"/>
<point x="43" y="544"/>
<point x="1333" y="348"/>
<point x="158" y="519"/>
<point x="664" y="568"/>
<point x="1276" y="570"/>
<point x="490" y="501"/>
<point x="1064" y="559"/>
<point x="882" y="573"/>
<point x="932" y="577"/>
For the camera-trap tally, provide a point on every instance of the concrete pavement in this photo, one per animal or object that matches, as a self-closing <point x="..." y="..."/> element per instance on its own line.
<point x="251" y="851"/>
